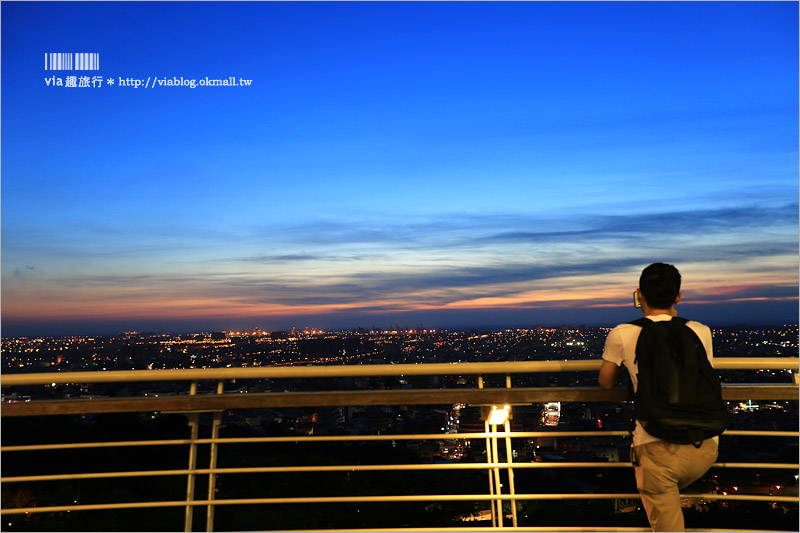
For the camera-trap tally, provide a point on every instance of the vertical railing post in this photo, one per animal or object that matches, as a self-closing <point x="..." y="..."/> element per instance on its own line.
<point x="496" y="459"/>
<point x="194" y="428"/>
<point x="489" y="461"/>
<point x="509" y="460"/>
<point x="212" y="477"/>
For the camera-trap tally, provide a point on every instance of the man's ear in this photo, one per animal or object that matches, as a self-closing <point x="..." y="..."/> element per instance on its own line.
<point x="678" y="299"/>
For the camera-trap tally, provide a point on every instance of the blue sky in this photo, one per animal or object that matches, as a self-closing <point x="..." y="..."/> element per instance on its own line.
<point x="450" y="164"/>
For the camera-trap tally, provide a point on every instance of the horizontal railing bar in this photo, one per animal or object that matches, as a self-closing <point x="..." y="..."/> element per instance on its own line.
<point x="427" y="369"/>
<point x="470" y="466"/>
<point x="461" y="436"/>
<point x="314" y="438"/>
<point x="102" y="475"/>
<point x="435" y="466"/>
<point x="420" y="436"/>
<point x="365" y="468"/>
<point x="740" y="497"/>
<point x="217" y="402"/>
<point x="306" y="469"/>
<point x="759" y="433"/>
<point x="341" y="398"/>
<point x="521" y="528"/>
<point x="103" y="506"/>
<point x="474" y="530"/>
<point x="559" y="529"/>
<point x="353" y="438"/>
<point x="379" y="499"/>
<point x="82" y="445"/>
<point x="773" y="466"/>
<point x="281" y="372"/>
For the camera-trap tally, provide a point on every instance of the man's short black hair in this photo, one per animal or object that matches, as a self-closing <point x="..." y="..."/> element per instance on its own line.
<point x="660" y="284"/>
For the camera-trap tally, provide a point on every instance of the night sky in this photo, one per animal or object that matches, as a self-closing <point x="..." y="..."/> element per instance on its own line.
<point x="444" y="164"/>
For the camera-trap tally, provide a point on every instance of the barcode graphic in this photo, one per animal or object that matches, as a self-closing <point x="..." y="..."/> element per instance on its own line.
<point x="71" y="61"/>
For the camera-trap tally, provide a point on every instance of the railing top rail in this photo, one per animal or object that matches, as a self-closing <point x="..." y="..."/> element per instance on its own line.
<point x="427" y="369"/>
<point x="488" y="396"/>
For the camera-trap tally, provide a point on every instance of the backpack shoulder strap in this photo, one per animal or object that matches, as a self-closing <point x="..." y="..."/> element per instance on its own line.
<point x="682" y="325"/>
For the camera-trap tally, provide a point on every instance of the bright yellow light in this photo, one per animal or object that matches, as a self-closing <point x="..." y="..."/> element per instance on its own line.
<point x="499" y="415"/>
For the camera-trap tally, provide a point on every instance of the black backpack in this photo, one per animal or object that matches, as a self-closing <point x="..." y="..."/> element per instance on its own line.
<point x="679" y="397"/>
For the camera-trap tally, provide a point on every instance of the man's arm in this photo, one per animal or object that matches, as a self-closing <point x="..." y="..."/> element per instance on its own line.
<point x="609" y="373"/>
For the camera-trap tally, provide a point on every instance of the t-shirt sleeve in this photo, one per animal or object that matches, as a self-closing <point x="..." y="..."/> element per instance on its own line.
<point x="613" y="350"/>
<point x="704" y="333"/>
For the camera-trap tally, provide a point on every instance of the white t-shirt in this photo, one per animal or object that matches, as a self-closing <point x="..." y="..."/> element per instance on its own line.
<point x="620" y="349"/>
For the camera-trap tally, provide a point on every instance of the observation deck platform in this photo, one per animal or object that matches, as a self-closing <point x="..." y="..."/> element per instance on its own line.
<point x="503" y="460"/>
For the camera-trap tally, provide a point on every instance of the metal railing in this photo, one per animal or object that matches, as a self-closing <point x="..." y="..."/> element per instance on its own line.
<point x="497" y="442"/>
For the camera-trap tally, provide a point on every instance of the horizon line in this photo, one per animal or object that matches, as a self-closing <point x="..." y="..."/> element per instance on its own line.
<point x="355" y="329"/>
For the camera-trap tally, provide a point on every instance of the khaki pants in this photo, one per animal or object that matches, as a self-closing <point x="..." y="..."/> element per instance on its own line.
<point x="664" y="469"/>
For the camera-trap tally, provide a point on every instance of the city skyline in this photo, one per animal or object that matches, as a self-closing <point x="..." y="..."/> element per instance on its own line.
<point x="446" y="164"/>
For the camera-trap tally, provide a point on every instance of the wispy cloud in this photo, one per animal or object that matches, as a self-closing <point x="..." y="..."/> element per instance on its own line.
<point x="299" y="257"/>
<point x="468" y="261"/>
<point x="460" y="230"/>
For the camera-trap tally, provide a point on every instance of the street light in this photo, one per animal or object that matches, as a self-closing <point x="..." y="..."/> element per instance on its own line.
<point x="499" y="415"/>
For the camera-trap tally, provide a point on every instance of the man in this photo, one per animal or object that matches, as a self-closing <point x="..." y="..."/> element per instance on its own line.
<point x="663" y="468"/>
